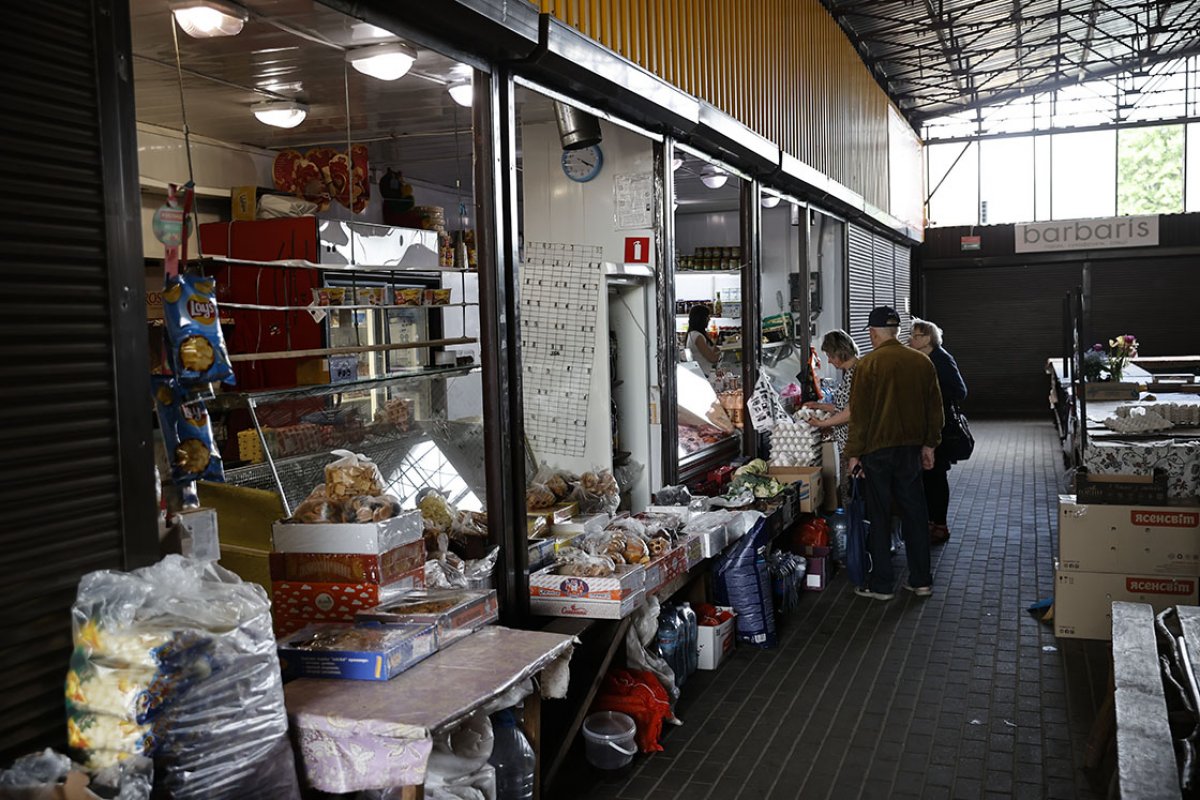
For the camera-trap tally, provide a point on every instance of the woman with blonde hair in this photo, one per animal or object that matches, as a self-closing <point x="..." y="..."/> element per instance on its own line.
<point x="841" y="352"/>
<point x="927" y="337"/>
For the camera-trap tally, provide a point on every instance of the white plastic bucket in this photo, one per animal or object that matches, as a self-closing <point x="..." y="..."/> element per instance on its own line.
<point x="608" y="737"/>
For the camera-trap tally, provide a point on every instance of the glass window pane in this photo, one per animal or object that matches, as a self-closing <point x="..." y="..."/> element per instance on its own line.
<point x="956" y="200"/>
<point x="1091" y="103"/>
<point x="1193" y="167"/>
<point x="1041" y="168"/>
<point x="1084" y="172"/>
<point x="1006" y="180"/>
<point x="1015" y="116"/>
<point x="1150" y="170"/>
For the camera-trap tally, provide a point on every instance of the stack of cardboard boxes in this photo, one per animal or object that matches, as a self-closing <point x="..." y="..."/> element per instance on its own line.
<point x="1141" y="554"/>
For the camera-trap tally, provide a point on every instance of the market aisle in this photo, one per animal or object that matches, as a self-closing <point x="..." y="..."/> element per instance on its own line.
<point x="962" y="695"/>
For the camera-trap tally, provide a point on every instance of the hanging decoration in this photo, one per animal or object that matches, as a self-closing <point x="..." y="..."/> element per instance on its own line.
<point x="323" y="175"/>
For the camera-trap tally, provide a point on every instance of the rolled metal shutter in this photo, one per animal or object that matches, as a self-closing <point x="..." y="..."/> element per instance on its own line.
<point x="76" y="485"/>
<point x="903" y="283"/>
<point x="1149" y="299"/>
<point x="861" y="286"/>
<point x="1001" y="324"/>
<point x="885" y="272"/>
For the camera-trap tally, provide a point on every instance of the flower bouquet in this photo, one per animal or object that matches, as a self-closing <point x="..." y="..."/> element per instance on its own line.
<point x="1108" y="363"/>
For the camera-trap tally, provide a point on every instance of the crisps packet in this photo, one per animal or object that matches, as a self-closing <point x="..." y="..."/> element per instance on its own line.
<point x="187" y="434"/>
<point x="197" y="347"/>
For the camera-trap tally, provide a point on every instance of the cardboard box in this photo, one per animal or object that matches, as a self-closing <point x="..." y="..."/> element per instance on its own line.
<point x="808" y="482"/>
<point x="712" y="541"/>
<point x="581" y="607"/>
<point x="627" y="580"/>
<point x="541" y="553"/>
<point x="372" y="538"/>
<point x="1108" y="390"/>
<point x="322" y="601"/>
<point x="831" y="474"/>
<point x="716" y="642"/>
<point x="1083" y="600"/>
<point x="396" y="648"/>
<point x="1155" y="540"/>
<point x="693" y="546"/>
<point x="666" y="568"/>
<point x="1138" y="490"/>
<point x="454" y="612"/>
<point x="816" y="578"/>
<point x="383" y="569"/>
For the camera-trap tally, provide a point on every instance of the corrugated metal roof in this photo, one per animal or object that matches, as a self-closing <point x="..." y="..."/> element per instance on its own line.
<point x="939" y="57"/>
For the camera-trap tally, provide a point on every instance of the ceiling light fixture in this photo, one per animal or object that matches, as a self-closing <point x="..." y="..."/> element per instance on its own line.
<point x="282" y="114"/>
<point x="206" y="19"/>
<point x="462" y="92"/>
<point x="387" y="62"/>
<point x="676" y="163"/>
<point x="770" y="200"/>
<point x="713" y="177"/>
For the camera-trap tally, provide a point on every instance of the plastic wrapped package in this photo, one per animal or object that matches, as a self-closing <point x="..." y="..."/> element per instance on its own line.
<point x="744" y="583"/>
<point x="597" y="493"/>
<point x="44" y="775"/>
<point x="582" y="564"/>
<point x="448" y="571"/>
<point x="461" y="752"/>
<point x="673" y="496"/>
<point x="177" y="661"/>
<point x="187" y="434"/>
<point x="558" y="482"/>
<point x="352" y="475"/>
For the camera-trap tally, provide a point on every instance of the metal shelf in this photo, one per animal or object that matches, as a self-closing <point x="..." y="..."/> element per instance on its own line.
<point x="708" y="272"/>
<point x="325" y="389"/>
<point x="299" y="263"/>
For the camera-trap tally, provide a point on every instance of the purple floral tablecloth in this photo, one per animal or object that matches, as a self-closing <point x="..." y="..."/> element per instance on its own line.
<point x="359" y="735"/>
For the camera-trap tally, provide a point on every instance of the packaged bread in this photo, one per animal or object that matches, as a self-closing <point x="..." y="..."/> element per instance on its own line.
<point x="352" y="475"/>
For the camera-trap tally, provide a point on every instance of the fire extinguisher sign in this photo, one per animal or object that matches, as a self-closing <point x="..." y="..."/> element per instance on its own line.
<point x="637" y="249"/>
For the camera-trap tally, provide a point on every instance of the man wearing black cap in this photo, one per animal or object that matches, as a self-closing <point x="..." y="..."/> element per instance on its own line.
<point x="895" y="424"/>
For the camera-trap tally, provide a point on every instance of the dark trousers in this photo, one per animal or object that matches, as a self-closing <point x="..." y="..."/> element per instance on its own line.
<point x="893" y="476"/>
<point x="937" y="491"/>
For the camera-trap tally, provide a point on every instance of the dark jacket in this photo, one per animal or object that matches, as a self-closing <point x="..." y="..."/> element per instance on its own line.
<point x="894" y="401"/>
<point x="950" y="380"/>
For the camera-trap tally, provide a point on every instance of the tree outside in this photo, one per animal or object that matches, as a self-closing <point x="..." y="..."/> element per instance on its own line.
<point x="1150" y="170"/>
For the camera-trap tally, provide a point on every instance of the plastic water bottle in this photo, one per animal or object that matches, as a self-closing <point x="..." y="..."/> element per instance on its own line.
<point x="840" y="524"/>
<point x="670" y="638"/>
<point x="693" y="629"/>
<point x="513" y="759"/>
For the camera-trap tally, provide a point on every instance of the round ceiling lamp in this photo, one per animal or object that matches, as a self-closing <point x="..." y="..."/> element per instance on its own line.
<point x="462" y="92"/>
<point x="770" y="200"/>
<point x="282" y="114"/>
<point x="713" y="177"/>
<point x="207" y="19"/>
<point x="387" y="62"/>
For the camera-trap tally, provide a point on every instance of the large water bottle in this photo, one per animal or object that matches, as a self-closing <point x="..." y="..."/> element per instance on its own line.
<point x="670" y="639"/>
<point x="513" y="759"/>
<point x="840" y="524"/>
<point x="693" y="629"/>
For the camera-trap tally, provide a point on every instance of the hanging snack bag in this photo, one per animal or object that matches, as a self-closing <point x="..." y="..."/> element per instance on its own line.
<point x="197" y="347"/>
<point x="187" y="434"/>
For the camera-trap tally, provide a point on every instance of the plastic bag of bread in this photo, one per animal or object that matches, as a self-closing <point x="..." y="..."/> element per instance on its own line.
<point x="538" y="496"/>
<point x="633" y="533"/>
<point x="560" y="482"/>
<point x="317" y="510"/>
<point x="578" y="563"/>
<point x="597" y="493"/>
<point x="436" y="510"/>
<point x="352" y="475"/>
<point x="370" y="509"/>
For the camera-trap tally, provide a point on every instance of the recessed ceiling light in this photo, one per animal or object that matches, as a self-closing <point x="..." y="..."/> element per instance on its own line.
<point x="462" y="92"/>
<point x="770" y="200"/>
<point x="714" y="177"/>
<point x="387" y="62"/>
<point x="282" y="114"/>
<point x="205" y="19"/>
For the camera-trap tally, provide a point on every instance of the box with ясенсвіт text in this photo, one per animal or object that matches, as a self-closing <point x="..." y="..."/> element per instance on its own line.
<point x="1161" y="540"/>
<point x="1083" y="600"/>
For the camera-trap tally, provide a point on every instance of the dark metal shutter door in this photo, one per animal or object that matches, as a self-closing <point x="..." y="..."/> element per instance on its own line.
<point x="903" y="256"/>
<point x="885" y="272"/>
<point x="861" y="284"/>
<point x="1154" y="299"/>
<point x="1001" y="324"/>
<point x="64" y="491"/>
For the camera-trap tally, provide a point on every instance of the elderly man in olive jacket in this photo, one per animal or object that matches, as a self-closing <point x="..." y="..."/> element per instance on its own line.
<point x="895" y="424"/>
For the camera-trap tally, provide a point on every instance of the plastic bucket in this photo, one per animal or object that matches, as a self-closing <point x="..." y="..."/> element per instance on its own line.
<point x="608" y="737"/>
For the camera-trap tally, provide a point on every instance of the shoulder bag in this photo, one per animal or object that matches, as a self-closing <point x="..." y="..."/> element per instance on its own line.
<point x="957" y="441"/>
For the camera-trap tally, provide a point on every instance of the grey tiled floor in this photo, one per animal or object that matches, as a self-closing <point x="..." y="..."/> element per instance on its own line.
<point x="961" y="695"/>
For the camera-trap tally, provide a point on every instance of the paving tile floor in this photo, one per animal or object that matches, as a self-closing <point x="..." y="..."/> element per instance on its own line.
<point x="961" y="695"/>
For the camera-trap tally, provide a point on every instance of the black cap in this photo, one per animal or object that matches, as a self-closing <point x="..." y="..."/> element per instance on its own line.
<point x="883" y="317"/>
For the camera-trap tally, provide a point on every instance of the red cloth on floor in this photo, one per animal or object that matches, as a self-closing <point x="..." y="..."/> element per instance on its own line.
<point x="640" y="695"/>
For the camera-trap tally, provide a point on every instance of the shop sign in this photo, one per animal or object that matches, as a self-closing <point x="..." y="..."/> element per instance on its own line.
<point x="637" y="249"/>
<point x="970" y="242"/>
<point x="1087" y="234"/>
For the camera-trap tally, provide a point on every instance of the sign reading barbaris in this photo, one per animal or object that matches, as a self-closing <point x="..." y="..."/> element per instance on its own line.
<point x="1087" y="234"/>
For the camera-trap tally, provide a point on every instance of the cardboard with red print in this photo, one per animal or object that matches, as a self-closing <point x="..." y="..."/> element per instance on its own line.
<point x="322" y="601"/>
<point x="627" y="581"/>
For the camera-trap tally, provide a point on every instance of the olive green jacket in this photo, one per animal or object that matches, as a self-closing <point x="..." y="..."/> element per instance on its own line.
<point x="894" y="401"/>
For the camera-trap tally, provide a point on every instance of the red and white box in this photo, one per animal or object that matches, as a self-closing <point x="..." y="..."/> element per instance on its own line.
<point x="384" y="569"/>
<point x="716" y="642"/>
<point x="347" y="537"/>
<point x="1083" y="600"/>
<point x="582" y="607"/>
<point x="548" y="583"/>
<point x="1158" y="540"/>
<point x="324" y="601"/>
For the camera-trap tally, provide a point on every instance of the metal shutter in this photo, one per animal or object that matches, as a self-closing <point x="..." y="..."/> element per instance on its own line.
<point x="903" y="256"/>
<point x="1001" y="324"/>
<point x="861" y="284"/>
<point x="76" y="485"/>
<point x="1149" y="298"/>
<point x="885" y="272"/>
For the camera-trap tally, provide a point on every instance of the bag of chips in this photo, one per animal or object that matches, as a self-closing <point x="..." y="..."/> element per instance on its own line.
<point x="197" y="347"/>
<point x="187" y="434"/>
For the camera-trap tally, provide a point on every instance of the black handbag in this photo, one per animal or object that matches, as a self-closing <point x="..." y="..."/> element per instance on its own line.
<point x="957" y="441"/>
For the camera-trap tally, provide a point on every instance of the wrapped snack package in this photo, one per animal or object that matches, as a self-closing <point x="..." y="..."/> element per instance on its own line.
<point x="317" y="510"/>
<point x="538" y="496"/>
<point x="177" y="661"/>
<point x="582" y="564"/>
<point x="436" y="510"/>
<point x="352" y="475"/>
<point x="559" y="482"/>
<point x="197" y="346"/>
<point x="187" y="434"/>
<point x="597" y="493"/>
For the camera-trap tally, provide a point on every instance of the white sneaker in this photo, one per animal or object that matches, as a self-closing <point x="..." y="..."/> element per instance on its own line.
<point x="920" y="591"/>
<point x="861" y="592"/>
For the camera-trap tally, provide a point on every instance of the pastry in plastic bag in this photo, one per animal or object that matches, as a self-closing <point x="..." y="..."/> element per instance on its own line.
<point x="316" y="510"/>
<point x="597" y="492"/>
<point x="352" y="475"/>
<point x="437" y="510"/>
<point x="187" y="434"/>
<point x="538" y="496"/>
<point x="370" y="509"/>
<point x="198" y="352"/>
<point x="581" y="564"/>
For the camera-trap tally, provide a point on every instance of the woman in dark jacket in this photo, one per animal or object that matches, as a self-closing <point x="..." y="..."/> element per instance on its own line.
<point x="927" y="338"/>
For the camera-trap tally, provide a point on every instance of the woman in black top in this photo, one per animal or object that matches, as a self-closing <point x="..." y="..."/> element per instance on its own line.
<point x="927" y="338"/>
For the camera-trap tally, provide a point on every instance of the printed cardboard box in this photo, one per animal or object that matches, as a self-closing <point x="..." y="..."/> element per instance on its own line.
<point x="627" y="580"/>
<point x="383" y="569"/>
<point x="321" y="601"/>
<point x="694" y="548"/>
<point x="582" y="607"/>
<point x="807" y="480"/>
<point x="716" y="642"/>
<point x="397" y="648"/>
<point x="372" y="538"/>
<point x="454" y="612"/>
<point x="1159" y="540"/>
<point x="1083" y="600"/>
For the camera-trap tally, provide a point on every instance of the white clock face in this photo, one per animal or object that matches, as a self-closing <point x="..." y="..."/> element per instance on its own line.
<point x="582" y="165"/>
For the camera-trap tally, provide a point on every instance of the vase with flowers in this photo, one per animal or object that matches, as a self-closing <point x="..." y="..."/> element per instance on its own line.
<point x="1120" y="350"/>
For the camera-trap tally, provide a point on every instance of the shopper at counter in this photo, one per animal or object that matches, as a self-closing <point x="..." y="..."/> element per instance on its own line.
<point x="896" y="407"/>
<point x="842" y="353"/>
<point x="705" y="353"/>
<point x="927" y="337"/>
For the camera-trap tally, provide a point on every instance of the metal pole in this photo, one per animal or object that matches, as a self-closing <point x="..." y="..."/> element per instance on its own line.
<point x="664" y="276"/>
<point x="251" y="404"/>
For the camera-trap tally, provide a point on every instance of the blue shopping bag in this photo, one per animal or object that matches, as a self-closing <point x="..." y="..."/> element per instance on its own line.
<point x="858" y="560"/>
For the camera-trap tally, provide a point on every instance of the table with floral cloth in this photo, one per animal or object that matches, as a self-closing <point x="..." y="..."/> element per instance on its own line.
<point x="1180" y="459"/>
<point x="360" y="735"/>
